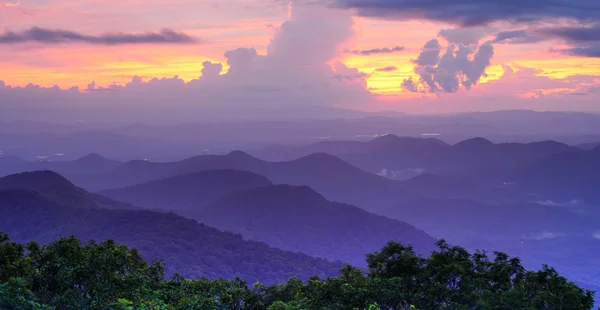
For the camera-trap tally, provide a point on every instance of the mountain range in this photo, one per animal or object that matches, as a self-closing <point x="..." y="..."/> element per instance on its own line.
<point x="189" y="191"/>
<point x="531" y="199"/>
<point x="294" y="218"/>
<point x="291" y="218"/>
<point x="188" y="247"/>
<point x="297" y="218"/>
<point x="58" y="189"/>
<point x="394" y="153"/>
<point x="327" y="174"/>
<point x="89" y="164"/>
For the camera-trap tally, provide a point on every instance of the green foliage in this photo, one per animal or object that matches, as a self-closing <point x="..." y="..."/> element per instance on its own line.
<point x="68" y="274"/>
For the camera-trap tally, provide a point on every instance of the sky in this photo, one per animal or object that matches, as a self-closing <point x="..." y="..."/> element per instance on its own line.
<point x="233" y="56"/>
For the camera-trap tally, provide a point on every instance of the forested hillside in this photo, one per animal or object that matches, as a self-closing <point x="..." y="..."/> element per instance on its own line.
<point x="188" y="247"/>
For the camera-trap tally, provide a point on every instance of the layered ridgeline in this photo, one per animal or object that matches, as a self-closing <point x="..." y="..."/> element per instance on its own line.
<point x="297" y="218"/>
<point x="89" y="164"/>
<point x="563" y="177"/>
<point x="59" y="190"/>
<point x="111" y="276"/>
<point x="512" y="221"/>
<point x="188" y="247"/>
<point x="475" y="168"/>
<point x="330" y="176"/>
<point x="395" y="153"/>
<point x="189" y="191"/>
<point x="294" y="218"/>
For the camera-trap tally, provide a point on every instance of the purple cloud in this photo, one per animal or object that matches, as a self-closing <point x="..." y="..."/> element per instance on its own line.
<point x="48" y="36"/>
<point x="469" y="13"/>
<point x="458" y="65"/>
<point x="516" y="37"/>
<point x="583" y="40"/>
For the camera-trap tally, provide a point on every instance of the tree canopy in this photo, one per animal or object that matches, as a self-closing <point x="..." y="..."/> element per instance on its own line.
<point x="70" y="274"/>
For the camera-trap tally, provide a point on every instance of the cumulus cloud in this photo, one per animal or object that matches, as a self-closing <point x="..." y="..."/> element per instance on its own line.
<point x="299" y="72"/>
<point x="430" y="54"/>
<point x="469" y="13"/>
<point x="465" y="36"/>
<point x="374" y="51"/>
<point x="458" y="65"/>
<point x="50" y="36"/>
<point x="211" y="70"/>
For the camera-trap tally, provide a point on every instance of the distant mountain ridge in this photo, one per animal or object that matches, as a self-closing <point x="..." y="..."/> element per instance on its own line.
<point x="189" y="248"/>
<point x="297" y="218"/>
<point x="57" y="188"/>
<point x="189" y="191"/>
<point x="90" y="164"/>
<point x="432" y="155"/>
<point x="466" y="217"/>
<point x="327" y="174"/>
<point x="565" y="176"/>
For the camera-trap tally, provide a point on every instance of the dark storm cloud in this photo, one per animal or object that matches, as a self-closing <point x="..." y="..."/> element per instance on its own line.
<point x="49" y="36"/>
<point x="477" y="12"/>
<point x="374" y="51"/>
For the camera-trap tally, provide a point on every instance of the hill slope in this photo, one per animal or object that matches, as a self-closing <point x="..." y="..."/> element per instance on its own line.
<point x="563" y="177"/>
<point x="187" y="247"/>
<point x="188" y="191"/>
<point x="297" y="218"/>
<point x="58" y="189"/>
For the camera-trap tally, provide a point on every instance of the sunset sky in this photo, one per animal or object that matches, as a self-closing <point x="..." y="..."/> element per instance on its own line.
<point x="418" y="56"/>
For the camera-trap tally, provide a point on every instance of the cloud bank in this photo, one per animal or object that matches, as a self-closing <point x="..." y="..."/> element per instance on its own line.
<point x="469" y="13"/>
